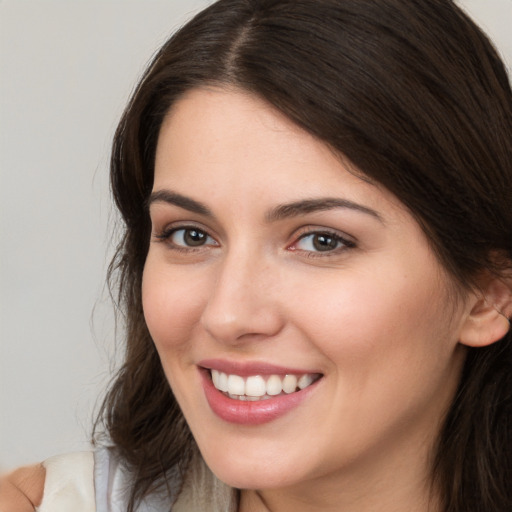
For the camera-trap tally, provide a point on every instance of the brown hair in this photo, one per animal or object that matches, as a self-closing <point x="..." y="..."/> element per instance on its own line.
<point x="415" y="96"/>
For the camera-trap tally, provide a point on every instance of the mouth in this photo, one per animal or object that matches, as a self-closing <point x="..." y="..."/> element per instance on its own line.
<point x="253" y="388"/>
<point x="255" y="393"/>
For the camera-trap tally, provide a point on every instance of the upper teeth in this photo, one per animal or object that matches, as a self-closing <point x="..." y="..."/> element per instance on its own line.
<point x="258" y="386"/>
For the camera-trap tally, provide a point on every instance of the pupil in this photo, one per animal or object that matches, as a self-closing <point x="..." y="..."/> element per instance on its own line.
<point x="194" y="237"/>
<point x="324" y="242"/>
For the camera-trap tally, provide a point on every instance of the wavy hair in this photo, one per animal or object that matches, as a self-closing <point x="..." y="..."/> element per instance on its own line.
<point x="414" y="95"/>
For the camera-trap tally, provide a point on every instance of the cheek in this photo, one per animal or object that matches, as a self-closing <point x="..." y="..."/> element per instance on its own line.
<point x="391" y="351"/>
<point x="362" y="319"/>
<point x="172" y="305"/>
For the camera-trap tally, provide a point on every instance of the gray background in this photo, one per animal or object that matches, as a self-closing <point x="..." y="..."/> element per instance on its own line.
<point x="66" y="71"/>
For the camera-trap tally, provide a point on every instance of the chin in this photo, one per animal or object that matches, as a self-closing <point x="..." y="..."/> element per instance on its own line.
<point x="242" y="471"/>
<point x="249" y="478"/>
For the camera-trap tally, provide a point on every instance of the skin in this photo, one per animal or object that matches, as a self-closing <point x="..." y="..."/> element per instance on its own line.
<point x="377" y="316"/>
<point x="22" y="490"/>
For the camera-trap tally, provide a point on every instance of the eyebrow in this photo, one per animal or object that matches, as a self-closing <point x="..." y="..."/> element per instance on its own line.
<point x="280" y="212"/>
<point x="169" y="197"/>
<point x="316" y="205"/>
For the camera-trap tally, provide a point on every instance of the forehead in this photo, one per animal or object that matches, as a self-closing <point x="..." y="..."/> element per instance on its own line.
<point x="213" y="121"/>
<point x="215" y="139"/>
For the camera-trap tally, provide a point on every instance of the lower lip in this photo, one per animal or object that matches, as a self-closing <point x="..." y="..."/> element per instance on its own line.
<point x="251" y="413"/>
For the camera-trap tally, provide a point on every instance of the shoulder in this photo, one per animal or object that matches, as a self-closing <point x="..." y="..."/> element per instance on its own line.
<point x="22" y="490"/>
<point x="96" y="481"/>
<point x="69" y="483"/>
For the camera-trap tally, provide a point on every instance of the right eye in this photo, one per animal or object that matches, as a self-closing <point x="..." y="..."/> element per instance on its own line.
<point x="187" y="237"/>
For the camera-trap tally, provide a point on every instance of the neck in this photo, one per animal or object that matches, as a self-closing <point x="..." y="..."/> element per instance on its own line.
<point x="406" y="501"/>
<point x="341" y="499"/>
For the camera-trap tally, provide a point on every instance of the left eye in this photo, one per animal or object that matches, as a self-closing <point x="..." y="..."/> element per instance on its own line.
<point x="320" y="242"/>
<point x="191" y="237"/>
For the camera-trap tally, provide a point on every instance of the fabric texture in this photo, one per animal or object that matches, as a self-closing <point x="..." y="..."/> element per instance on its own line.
<point x="69" y="483"/>
<point x="99" y="482"/>
<point x="203" y="492"/>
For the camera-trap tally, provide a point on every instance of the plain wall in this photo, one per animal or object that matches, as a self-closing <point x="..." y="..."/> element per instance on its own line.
<point x="66" y="71"/>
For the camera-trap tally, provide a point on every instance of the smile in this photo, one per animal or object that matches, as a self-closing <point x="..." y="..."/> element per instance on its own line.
<point x="253" y="393"/>
<point x="258" y="387"/>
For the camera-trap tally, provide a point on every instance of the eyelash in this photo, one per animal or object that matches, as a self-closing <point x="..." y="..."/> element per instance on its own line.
<point x="335" y="236"/>
<point x="167" y="233"/>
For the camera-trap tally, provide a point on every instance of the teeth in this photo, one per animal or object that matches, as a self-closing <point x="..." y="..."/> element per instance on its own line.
<point x="257" y="387"/>
<point x="289" y="384"/>
<point x="223" y="382"/>
<point x="253" y="398"/>
<point x="215" y="378"/>
<point x="274" y="385"/>
<point x="305" y="381"/>
<point x="236" y="385"/>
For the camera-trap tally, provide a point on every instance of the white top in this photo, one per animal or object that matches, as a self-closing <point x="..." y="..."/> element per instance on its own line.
<point x="97" y="482"/>
<point x="69" y="483"/>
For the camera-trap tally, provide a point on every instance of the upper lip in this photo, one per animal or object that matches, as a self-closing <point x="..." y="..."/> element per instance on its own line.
<point x="248" y="368"/>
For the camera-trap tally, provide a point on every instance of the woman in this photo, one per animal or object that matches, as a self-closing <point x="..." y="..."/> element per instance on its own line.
<point x="316" y="269"/>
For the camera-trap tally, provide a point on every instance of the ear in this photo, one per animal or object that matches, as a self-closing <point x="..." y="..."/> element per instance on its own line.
<point x="489" y="316"/>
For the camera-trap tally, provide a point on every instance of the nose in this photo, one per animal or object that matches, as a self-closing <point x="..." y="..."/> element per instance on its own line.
<point x="243" y="304"/>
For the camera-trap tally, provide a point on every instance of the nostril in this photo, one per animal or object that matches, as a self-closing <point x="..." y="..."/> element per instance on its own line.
<point x="243" y="324"/>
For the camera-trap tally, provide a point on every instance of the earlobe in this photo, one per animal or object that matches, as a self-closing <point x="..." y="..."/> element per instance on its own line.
<point x="489" y="318"/>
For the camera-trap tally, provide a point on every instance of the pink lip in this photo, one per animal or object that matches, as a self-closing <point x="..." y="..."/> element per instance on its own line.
<point x="245" y="369"/>
<point x="252" y="413"/>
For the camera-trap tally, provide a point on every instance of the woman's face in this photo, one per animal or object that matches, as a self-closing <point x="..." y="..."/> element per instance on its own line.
<point x="273" y="268"/>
